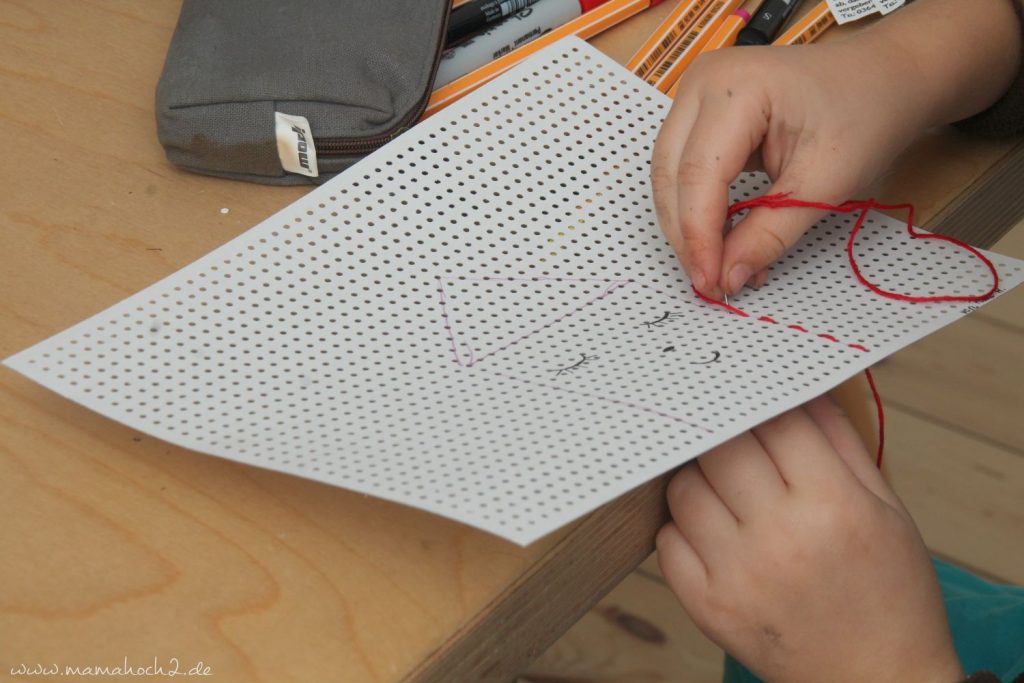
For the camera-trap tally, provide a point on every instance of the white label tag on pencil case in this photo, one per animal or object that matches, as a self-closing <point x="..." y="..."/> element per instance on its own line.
<point x="295" y="144"/>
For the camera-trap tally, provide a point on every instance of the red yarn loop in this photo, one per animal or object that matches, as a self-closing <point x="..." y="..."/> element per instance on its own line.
<point x="784" y="201"/>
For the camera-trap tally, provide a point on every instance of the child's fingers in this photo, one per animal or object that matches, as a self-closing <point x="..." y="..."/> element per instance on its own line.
<point x="665" y="174"/>
<point x="743" y="476"/>
<point x="800" y="450"/>
<point x="699" y="514"/>
<point x="761" y="238"/>
<point x="684" y="571"/>
<point x="754" y="163"/>
<point x="721" y="141"/>
<point x="765" y="234"/>
<point x="757" y="282"/>
<point x="846" y="441"/>
<point x="679" y="562"/>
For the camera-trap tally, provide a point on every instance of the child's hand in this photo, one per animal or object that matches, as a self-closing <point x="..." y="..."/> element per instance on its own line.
<point x="793" y="112"/>
<point x="822" y="120"/>
<point x="790" y="551"/>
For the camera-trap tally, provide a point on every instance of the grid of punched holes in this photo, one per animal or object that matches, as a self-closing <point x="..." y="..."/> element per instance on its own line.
<point x="405" y="329"/>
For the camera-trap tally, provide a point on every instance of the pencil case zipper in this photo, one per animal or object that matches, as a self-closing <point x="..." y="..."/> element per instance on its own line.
<point x="337" y="146"/>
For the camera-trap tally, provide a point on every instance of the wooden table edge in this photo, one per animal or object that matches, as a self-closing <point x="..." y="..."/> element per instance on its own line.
<point x="518" y="625"/>
<point x="504" y="638"/>
<point x="988" y="207"/>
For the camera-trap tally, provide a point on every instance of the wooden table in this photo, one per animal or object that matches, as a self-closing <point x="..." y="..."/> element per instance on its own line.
<point x="117" y="546"/>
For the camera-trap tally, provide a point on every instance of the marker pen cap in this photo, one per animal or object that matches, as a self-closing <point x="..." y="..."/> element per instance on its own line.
<point x="766" y="23"/>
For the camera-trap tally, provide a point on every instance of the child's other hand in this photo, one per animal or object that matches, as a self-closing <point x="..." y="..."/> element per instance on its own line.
<point x="822" y="120"/>
<point x="790" y="551"/>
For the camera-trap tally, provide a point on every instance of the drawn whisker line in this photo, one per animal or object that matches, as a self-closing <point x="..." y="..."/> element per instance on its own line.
<point x="584" y="359"/>
<point x="665" y="319"/>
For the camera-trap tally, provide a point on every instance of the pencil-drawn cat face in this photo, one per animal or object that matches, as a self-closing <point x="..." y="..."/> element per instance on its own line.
<point x="618" y="341"/>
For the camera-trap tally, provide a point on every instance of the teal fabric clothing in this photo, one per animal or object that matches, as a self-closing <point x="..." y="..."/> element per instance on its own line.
<point x="987" y="621"/>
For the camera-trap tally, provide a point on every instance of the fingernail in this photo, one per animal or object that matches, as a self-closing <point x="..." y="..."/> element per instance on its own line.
<point x="758" y="280"/>
<point x="739" y="274"/>
<point x="700" y="281"/>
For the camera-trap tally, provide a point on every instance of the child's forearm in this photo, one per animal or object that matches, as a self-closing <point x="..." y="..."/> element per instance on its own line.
<point x="949" y="59"/>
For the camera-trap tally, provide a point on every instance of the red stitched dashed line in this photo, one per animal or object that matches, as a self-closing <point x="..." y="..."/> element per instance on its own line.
<point x="778" y="201"/>
<point x="773" y="321"/>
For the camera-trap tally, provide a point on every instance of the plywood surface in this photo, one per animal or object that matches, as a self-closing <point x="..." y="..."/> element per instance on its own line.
<point x="116" y="545"/>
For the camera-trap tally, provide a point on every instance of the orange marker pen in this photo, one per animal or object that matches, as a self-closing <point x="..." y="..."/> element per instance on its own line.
<point x="667" y="33"/>
<point x="690" y="45"/>
<point x="726" y="34"/>
<point x="810" y="26"/>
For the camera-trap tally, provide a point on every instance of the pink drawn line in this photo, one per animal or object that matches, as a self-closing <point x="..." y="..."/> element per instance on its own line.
<point x="473" y="359"/>
<point x="448" y="325"/>
<point x="628" y="404"/>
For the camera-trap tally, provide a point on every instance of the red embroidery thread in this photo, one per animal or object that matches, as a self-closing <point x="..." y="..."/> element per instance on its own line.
<point x="881" y="416"/>
<point x="768" y="319"/>
<point x="783" y="200"/>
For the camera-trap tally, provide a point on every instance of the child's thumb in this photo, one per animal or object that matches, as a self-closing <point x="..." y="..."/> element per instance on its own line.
<point x="765" y="234"/>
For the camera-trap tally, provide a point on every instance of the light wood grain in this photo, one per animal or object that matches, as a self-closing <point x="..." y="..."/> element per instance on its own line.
<point x="990" y="206"/>
<point x="637" y="634"/>
<point x="1009" y="309"/>
<point x="964" y="493"/>
<point x="962" y="375"/>
<point x="116" y="545"/>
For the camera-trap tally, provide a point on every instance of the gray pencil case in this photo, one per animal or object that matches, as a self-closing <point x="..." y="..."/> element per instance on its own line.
<point x="293" y="91"/>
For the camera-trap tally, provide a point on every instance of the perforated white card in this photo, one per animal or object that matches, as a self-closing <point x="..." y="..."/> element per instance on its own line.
<point x="483" y="319"/>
